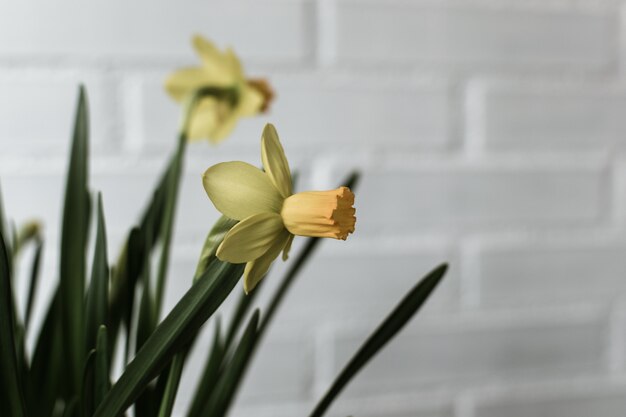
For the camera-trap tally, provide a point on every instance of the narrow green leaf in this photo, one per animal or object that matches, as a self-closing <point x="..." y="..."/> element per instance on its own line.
<point x="98" y="293"/>
<point x="383" y="334"/>
<point x="87" y="388"/>
<point x="147" y="402"/>
<point x="167" y="226"/>
<point x="123" y="285"/>
<point x="171" y="387"/>
<point x="10" y="371"/>
<point x="183" y="322"/>
<point x="225" y="390"/>
<point x="146" y="322"/>
<point x="102" y="383"/>
<point x="45" y="370"/>
<point x="73" y="244"/>
<point x="71" y="407"/>
<point x="209" y="374"/>
<point x="33" y="283"/>
<point x="211" y="243"/>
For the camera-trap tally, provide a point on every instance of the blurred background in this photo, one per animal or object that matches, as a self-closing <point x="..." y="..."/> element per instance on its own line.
<point x="490" y="134"/>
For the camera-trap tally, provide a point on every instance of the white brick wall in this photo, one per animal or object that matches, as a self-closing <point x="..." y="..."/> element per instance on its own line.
<point x="489" y="133"/>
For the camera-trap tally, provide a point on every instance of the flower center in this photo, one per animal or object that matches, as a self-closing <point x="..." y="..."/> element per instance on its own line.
<point x="320" y="213"/>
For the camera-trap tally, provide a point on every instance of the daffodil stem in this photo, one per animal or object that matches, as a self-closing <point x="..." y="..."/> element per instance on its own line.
<point x="172" y="183"/>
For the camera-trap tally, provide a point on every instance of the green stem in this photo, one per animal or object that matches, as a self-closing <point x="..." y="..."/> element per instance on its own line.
<point x="173" y="183"/>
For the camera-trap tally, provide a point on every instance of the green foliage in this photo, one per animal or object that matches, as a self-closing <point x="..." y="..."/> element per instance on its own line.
<point x="68" y="373"/>
<point x="10" y="373"/>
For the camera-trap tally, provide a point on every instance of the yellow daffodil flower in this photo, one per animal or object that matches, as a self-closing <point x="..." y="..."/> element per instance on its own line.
<point x="216" y="116"/>
<point x="269" y="213"/>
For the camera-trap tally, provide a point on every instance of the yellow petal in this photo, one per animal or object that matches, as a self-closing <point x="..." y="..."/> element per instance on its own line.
<point x="239" y="190"/>
<point x="250" y="101"/>
<point x="288" y="247"/>
<point x="225" y="128"/>
<point x="250" y="238"/>
<point x="204" y="120"/>
<point x="233" y="63"/>
<point x="256" y="270"/>
<point x="275" y="161"/>
<point x="206" y="49"/>
<point x="184" y="81"/>
<point x="216" y="63"/>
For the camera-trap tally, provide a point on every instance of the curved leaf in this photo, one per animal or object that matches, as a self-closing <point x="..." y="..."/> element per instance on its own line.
<point x="385" y="332"/>
<point x="183" y="322"/>
<point x="10" y="371"/>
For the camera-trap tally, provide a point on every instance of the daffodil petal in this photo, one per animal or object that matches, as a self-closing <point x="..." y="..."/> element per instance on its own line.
<point x="233" y="63"/>
<point x="225" y="128"/>
<point x="182" y="82"/>
<point x="239" y="190"/>
<point x="250" y="238"/>
<point x="206" y="49"/>
<point x="287" y="247"/>
<point x="215" y="63"/>
<point x="256" y="270"/>
<point x="250" y="101"/>
<point x="275" y="161"/>
<point x="204" y="120"/>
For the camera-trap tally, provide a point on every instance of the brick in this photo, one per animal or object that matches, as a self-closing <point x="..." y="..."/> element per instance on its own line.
<point x="604" y="401"/>
<point x="479" y="197"/>
<point x="315" y="111"/>
<point x="542" y="117"/>
<point x="38" y="109"/>
<point x="462" y="355"/>
<point x="550" y="272"/>
<point x="402" y="33"/>
<point x="145" y="30"/>
<point x="411" y="405"/>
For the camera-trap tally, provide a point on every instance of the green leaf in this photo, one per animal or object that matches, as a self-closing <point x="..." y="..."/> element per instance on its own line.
<point x="102" y="383"/>
<point x="147" y="402"/>
<point x="209" y="374"/>
<point x="211" y="243"/>
<point x="123" y="285"/>
<point x="383" y="334"/>
<point x="45" y="370"/>
<point x="146" y="322"/>
<point x="182" y="324"/>
<point x="73" y="244"/>
<point x="33" y="283"/>
<point x="98" y="293"/>
<point x="10" y="371"/>
<point x="87" y="389"/>
<point x="171" y="386"/>
<point x="71" y="407"/>
<point x="225" y="390"/>
<point x="167" y="225"/>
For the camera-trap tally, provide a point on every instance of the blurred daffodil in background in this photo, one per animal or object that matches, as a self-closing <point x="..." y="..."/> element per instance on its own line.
<point x="269" y="213"/>
<point x="234" y="96"/>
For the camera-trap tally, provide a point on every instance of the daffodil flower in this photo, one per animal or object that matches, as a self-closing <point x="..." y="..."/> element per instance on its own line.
<point x="269" y="213"/>
<point x="216" y="116"/>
